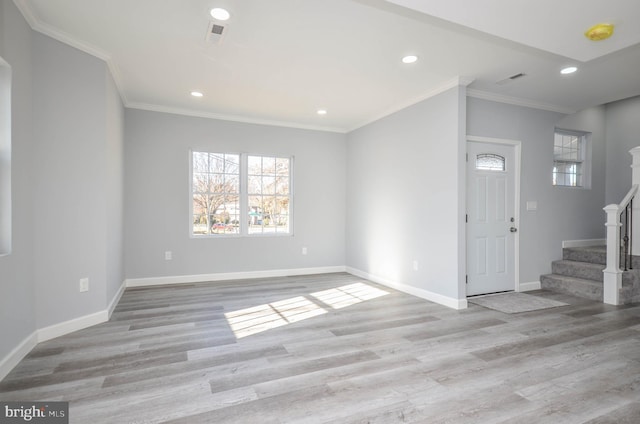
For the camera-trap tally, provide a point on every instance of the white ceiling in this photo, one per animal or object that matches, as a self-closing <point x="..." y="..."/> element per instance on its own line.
<point x="550" y="25"/>
<point x="281" y="60"/>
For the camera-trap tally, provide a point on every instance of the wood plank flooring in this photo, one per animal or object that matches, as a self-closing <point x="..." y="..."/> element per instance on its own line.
<point x="337" y="349"/>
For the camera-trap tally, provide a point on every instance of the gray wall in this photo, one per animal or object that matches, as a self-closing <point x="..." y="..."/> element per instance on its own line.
<point x="17" y="290"/>
<point x="403" y="196"/>
<point x="69" y="129"/>
<point x="67" y="176"/>
<point x="563" y="213"/>
<point x="77" y="170"/>
<point x="623" y="134"/>
<point x="157" y="197"/>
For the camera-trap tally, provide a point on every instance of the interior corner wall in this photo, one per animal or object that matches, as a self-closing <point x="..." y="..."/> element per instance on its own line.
<point x="563" y="213"/>
<point x="157" y="197"/>
<point x="114" y="174"/>
<point x="403" y="198"/>
<point x="622" y="134"/>
<point x="17" y="291"/>
<point x="71" y="187"/>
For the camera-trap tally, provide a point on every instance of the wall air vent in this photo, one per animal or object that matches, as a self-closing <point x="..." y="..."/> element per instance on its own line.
<point x="511" y="78"/>
<point x="215" y="32"/>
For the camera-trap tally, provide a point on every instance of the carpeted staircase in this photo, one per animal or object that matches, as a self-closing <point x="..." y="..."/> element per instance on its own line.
<point x="580" y="273"/>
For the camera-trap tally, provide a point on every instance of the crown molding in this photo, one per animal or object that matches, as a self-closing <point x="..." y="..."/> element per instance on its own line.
<point x="517" y="101"/>
<point x="27" y="12"/>
<point x="455" y="82"/>
<point x="46" y="29"/>
<point x="233" y="118"/>
<point x="39" y="26"/>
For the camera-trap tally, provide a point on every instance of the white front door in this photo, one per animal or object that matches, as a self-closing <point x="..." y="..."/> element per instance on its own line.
<point x="491" y="218"/>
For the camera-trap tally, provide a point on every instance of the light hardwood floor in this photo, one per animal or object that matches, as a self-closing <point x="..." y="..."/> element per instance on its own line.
<point x="337" y="349"/>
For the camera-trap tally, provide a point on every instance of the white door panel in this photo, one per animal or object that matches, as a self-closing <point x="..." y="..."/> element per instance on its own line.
<point x="491" y="218"/>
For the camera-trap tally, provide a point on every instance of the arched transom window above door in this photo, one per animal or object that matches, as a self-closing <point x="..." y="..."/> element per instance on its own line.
<point x="490" y="162"/>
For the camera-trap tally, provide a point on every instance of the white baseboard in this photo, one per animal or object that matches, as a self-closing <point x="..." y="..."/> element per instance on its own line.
<point x="66" y="327"/>
<point x="116" y="299"/>
<point x="414" y="291"/>
<point x="47" y="333"/>
<point x="203" y="278"/>
<point x="17" y="354"/>
<point x="584" y="243"/>
<point x="531" y="285"/>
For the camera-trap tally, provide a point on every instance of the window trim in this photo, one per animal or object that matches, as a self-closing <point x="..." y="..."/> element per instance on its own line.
<point x="585" y="161"/>
<point x="244" y="195"/>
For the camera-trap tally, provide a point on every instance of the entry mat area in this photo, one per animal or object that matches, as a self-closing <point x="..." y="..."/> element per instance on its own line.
<point x="513" y="302"/>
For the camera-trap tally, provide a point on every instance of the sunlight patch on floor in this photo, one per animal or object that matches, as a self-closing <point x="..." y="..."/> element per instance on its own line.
<point x="344" y="296"/>
<point x="257" y="319"/>
<point x="254" y="320"/>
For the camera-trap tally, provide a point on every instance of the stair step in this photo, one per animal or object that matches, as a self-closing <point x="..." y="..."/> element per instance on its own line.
<point x="590" y="289"/>
<point x="591" y="254"/>
<point x="585" y="270"/>
<point x="579" y="273"/>
<point x="579" y="287"/>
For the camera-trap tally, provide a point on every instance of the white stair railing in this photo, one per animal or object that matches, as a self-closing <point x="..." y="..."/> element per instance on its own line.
<point x="621" y="230"/>
<point x="619" y="239"/>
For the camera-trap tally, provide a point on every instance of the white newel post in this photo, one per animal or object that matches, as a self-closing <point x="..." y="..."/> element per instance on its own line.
<point x="635" y="180"/>
<point x="612" y="273"/>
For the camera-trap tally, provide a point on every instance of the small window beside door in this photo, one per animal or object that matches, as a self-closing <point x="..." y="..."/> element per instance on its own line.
<point x="490" y="162"/>
<point x="571" y="167"/>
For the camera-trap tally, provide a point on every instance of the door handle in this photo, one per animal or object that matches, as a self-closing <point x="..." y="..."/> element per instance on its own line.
<point x="513" y="229"/>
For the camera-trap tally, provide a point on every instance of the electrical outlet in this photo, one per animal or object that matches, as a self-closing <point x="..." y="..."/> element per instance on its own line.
<point x="304" y="250"/>
<point x="84" y="285"/>
<point x="168" y="255"/>
<point x="415" y="265"/>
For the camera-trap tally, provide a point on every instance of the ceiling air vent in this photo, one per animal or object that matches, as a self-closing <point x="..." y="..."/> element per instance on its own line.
<point x="215" y="32"/>
<point x="511" y="78"/>
<point x="217" y="29"/>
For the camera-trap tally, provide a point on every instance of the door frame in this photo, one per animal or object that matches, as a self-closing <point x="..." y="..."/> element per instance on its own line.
<point x="517" y="150"/>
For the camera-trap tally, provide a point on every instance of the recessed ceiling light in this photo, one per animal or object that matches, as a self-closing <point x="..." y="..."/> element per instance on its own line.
<point x="220" y="14"/>
<point x="322" y="112"/>
<point x="196" y="94"/>
<point x="568" y="70"/>
<point x="409" y="59"/>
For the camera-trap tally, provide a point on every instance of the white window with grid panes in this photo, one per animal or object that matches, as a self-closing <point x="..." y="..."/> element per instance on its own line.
<point x="240" y="194"/>
<point x="570" y="164"/>
<point x="269" y="182"/>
